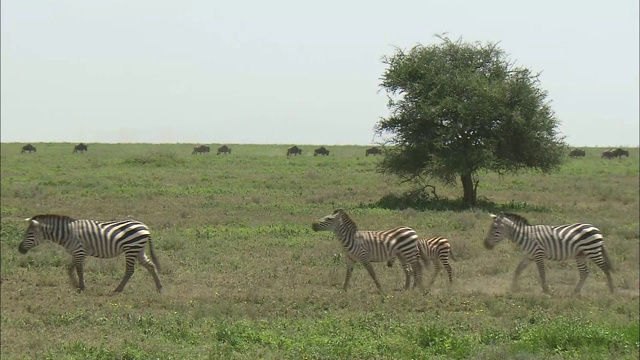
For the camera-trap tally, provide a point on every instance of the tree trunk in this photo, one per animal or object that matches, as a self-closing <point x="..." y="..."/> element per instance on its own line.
<point x="469" y="189"/>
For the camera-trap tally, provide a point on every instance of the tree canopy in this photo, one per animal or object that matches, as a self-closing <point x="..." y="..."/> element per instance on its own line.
<point x="457" y="108"/>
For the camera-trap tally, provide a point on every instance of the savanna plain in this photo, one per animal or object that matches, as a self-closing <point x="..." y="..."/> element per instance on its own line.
<point x="245" y="276"/>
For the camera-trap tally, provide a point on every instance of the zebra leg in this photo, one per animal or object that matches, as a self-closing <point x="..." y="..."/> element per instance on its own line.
<point x="437" y="270"/>
<point x="447" y="267"/>
<point x="71" y="269"/>
<point x="523" y="264"/>
<point x="77" y="264"/>
<point x="347" y="277"/>
<point x="417" y="274"/>
<point x="130" y="268"/>
<point x="605" y="265"/>
<point x="408" y="270"/>
<point x="367" y="265"/>
<point x="543" y="276"/>
<point x="149" y="265"/>
<point x="584" y="272"/>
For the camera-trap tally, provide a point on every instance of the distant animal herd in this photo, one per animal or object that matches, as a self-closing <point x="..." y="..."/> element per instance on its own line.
<point x="608" y="154"/>
<point x="322" y="151"/>
<point x="224" y="149"/>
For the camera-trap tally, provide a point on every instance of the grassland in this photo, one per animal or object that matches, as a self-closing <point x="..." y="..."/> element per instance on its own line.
<point x="246" y="278"/>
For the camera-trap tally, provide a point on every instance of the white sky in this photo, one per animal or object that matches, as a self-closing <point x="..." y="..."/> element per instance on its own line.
<point x="290" y="71"/>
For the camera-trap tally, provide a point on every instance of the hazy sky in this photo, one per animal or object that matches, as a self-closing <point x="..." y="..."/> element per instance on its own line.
<point x="290" y="71"/>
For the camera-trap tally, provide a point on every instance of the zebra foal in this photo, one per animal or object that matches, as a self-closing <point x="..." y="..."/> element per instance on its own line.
<point x="101" y="239"/>
<point x="372" y="246"/>
<point x="552" y="242"/>
<point x="431" y="249"/>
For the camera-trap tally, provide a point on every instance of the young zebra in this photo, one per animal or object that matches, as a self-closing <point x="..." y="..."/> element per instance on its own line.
<point x="430" y="249"/>
<point x="101" y="239"/>
<point x="373" y="246"/>
<point x="561" y="242"/>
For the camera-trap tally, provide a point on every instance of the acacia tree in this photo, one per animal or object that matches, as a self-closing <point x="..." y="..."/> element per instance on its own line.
<point x="457" y="108"/>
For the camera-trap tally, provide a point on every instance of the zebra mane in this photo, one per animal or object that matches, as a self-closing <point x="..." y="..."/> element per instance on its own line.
<point x="345" y="218"/>
<point x="518" y="219"/>
<point x="49" y="217"/>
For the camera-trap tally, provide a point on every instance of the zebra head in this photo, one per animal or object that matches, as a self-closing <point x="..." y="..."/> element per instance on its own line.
<point x="500" y="229"/>
<point x="45" y="227"/>
<point x="329" y="222"/>
<point x="32" y="237"/>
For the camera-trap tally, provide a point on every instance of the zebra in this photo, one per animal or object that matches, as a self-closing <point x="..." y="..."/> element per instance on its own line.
<point x="552" y="242"/>
<point x="430" y="249"/>
<point x="101" y="239"/>
<point x="373" y="246"/>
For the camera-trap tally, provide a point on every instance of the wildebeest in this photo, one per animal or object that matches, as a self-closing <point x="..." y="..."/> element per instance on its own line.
<point x="294" y="150"/>
<point x="619" y="152"/>
<point x="577" y="153"/>
<point x="373" y="151"/>
<point x="28" y="148"/>
<point x="201" y="149"/>
<point x="321" y="151"/>
<point x="80" y="148"/>
<point x="224" y="149"/>
<point x="607" y="155"/>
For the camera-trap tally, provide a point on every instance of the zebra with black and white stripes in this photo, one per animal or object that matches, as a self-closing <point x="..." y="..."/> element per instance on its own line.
<point x="373" y="246"/>
<point x="101" y="239"/>
<point x="552" y="242"/>
<point x="432" y="249"/>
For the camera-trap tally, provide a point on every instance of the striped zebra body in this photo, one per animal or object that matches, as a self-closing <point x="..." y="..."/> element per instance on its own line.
<point x="367" y="247"/>
<point x="560" y="242"/>
<point x="432" y="249"/>
<point x="101" y="239"/>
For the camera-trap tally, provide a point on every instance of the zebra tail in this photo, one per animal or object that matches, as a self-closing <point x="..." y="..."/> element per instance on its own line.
<point x="451" y="254"/>
<point x="153" y="255"/>
<point x="607" y="261"/>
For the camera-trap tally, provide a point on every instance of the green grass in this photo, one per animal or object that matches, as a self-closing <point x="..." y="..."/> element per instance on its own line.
<point x="246" y="277"/>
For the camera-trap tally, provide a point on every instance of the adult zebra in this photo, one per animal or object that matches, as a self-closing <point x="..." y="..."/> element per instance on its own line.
<point x="435" y="248"/>
<point x="552" y="242"/>
<point x="101" y="239"/>
<point x="373" y="246"/>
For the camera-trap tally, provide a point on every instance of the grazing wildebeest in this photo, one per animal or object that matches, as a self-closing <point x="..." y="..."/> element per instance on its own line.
<point x="373" y="151"/>
<point x="607" y="155"/>
<point x="294" y="150"/>
<point x="201" y="149"/>
<point x="619" y="152"/>
<point x="577" y="153"/>
<point x="224" y="149"/>
<point x="80" y="148"/>
<point x="28" y="148"/>
<point x="321" y="151"/>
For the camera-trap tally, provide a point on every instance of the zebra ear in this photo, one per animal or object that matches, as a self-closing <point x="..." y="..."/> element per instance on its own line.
<point x="33" y="221"/>
<point x="493" y="216"/>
